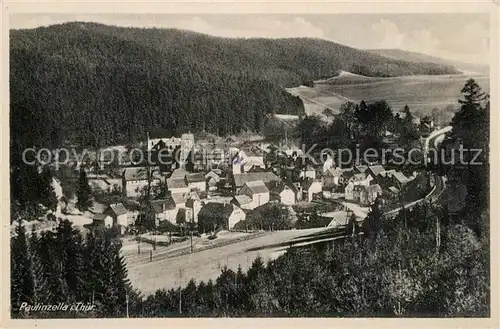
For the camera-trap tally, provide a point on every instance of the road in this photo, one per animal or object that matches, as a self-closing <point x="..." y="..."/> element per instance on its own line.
<point x="435" y="137"/>
<point x="207" y="264"/>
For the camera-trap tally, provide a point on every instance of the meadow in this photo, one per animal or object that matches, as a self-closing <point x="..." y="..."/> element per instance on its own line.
<point x="422" y="93"/>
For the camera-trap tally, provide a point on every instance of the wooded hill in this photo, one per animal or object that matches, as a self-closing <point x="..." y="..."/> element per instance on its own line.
<point x="98" y="85"/>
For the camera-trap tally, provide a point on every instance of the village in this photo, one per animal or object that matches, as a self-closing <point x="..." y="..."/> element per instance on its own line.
<point x="219" y="184"/>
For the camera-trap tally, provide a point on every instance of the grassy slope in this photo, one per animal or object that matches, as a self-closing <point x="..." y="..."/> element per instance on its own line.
<point x="419" y="58"/>
<point x="421" y="93"/>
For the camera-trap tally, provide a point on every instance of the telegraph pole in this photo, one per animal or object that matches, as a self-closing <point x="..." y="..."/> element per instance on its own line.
<point x="126" y="300"/>
<point x="180" y="291"/>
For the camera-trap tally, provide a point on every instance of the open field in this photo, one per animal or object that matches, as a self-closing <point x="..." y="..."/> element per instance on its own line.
<point x="421" y="93"/>
<point x="207" y="264"/>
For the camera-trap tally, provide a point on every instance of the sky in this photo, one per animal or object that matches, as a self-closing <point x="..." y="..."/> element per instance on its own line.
<point x="460" y="37"/>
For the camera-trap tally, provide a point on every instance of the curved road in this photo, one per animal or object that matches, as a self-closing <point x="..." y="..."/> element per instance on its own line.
<point x="435" y="137"/>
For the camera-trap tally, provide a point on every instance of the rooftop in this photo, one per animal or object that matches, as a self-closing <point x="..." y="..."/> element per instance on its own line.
<point x="117" y="208"/>
<point x="243" y="199"/>
<point x="264" y="176"/>
<point x="257" y="187"/>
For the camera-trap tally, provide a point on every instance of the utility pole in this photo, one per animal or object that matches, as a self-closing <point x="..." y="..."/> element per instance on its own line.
<point x="180" y="291"/>
<point x="126" y="300"/>
<point x="191" y="231"/>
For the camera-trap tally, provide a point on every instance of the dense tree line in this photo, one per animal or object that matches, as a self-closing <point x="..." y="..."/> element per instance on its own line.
<point x="397" y="267"/>
<point x="359" y="126"/>
<point x="471" y="131"/>
<point x="399" y="271"/>
<point x="65" y="267"/>
<point x="97" y="84"/>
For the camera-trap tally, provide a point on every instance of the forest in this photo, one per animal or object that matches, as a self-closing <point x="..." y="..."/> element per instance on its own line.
<point x="425" y="262"/>
<point x="96" y="85"/>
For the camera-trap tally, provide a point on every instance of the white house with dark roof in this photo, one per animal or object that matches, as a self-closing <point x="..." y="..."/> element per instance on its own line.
<point x="119" y="214"/>
<point x="243" y="201"/>
<point x="134" y="179"/>
<point x="196" y="181"/>
<point x="375" y="170"/>
<point x="256" y="190"/>
<point x="264" y="176"/>
<point x="177" y="185"/>
<point x="165" y="210"/>
<point x="311" y="187"/>
<point x="221" y="215"/>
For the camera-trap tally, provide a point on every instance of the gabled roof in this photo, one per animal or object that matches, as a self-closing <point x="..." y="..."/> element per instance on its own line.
<point x="387" y="173"/>
<point x="377" y="169"/>
<point x="373" y="188"/>
<point x="212" y="174"/>
<point x="242" y="199"/>
<point x="179" y="198"/>
<point x="158" y="205"/>
<point x="400" y="177"/>
<point x="117" y="209"/>
<point x="361" y="169"/>
<point x="195" y="178"/>
<point x="257" y="187"/>
<point x="265" y="176"/>
<point x="176" y="183"/>
<point x="360" y="177"/>
<point x="217" y="210"/>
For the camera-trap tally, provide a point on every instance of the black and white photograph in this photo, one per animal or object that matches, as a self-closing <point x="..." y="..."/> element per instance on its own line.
<point x="249" y="165"/>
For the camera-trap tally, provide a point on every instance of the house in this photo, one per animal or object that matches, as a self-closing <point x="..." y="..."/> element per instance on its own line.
<point x="196" y="181"/>
<point x="307" y="172"/>
<point x="215" y="215"/>
<point x="332" y="177"/>
<point x="180" y="199"/>
<point x="212" y="179"/>
<point x="375" y="170"/>
<point x="264" y="176"/>
<point x="102" y="221"/>
<point x="208" y="155"/>
<point x="171" y="141"/>
<point x="361" y="179"/>
<point x="369" y="194"/>
<point x="193" y="207"/>
<point x="165" y="210"/>
<point x="349" y="191"/>
<point x="257" y="191"/>
<point x="135" y="179"/>
<point x="311" y="187"/>
<point x="177" y="185"/>
<point x="132" y="208"/>
<point x="356" y="192"/>
<point x="251" y="156"/>
<point x="119" y="214"/>
<point x="288" y="195"/>
<point x="360" y="169"/>
<point x="243" y="201"/>
<point x="298" y="187"/>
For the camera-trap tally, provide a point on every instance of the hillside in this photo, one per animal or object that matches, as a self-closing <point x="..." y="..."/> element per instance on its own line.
<point x="415" y="57"/>
<point x="98" y="85"/>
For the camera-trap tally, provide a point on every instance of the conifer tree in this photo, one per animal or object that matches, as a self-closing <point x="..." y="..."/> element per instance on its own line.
<point x="21" y="278"/>
<point x="84" y="193"/>
<point x="41" y="291"/>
